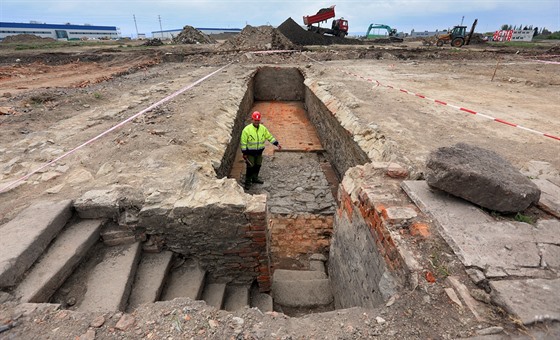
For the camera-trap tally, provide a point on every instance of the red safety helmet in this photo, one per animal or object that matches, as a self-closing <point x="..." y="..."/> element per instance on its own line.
<point x="256" y="115"/>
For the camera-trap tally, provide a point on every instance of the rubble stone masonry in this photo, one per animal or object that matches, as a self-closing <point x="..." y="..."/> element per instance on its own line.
<point x="367" y="263"/>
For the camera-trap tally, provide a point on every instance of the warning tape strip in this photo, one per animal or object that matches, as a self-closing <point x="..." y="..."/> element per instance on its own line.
<point x="273" y="51"/>
<point x="546" y="61"/>
<point x="149" y="108"/>
<point x="378" y="83"/>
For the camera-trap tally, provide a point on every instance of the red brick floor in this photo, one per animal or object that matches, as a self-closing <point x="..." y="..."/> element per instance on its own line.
<point x="288" y="123"/>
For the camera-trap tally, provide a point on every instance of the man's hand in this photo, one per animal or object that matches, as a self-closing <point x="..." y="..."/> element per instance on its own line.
<point x="279" y="147"/>
<point x="245" y="157"/>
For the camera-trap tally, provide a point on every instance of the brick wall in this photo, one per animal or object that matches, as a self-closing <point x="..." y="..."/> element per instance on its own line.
<point x="293" y="238"/>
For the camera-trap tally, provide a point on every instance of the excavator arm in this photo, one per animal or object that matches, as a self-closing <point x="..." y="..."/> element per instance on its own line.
<point x="389" y="30"/>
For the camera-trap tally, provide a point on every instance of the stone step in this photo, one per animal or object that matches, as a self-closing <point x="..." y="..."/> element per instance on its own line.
<point x="61" y="258"/>
<point x="25" y="237"/>
<point x="109" y="284"/>
<point x="214" y="294"/>
<point x="262" y="301"/>
<point x="150" y="278"/>
<point x="297" y="275"/>
<point x="237" y="298"/>
<point x="185" y="281"/>
<point x="302" y="293"/>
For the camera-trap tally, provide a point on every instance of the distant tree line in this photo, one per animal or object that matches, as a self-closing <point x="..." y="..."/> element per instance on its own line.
<point x="542" y="33"/>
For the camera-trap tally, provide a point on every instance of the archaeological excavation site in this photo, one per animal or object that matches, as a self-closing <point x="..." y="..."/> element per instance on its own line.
<point x="385" y="214"/>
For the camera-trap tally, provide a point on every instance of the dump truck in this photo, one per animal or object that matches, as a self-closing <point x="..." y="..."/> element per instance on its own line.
<point x="339" y="27"/>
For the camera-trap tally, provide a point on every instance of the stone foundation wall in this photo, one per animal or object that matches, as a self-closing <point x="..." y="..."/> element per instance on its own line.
<point x="279" y="83"/>
<point x="217" y="224"/>
<point x="342" y="151"/>
<point x="228" y="240"/>
<point x="293" y="238"/>
<point x="367" y="261"/>
<point x="228" y="158"/>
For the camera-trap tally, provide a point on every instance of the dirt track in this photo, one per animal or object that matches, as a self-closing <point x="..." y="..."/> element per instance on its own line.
<point x="56" y="103"/>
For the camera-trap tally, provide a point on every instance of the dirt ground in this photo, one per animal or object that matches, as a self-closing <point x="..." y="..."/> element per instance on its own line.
<point x="52" y="101"/>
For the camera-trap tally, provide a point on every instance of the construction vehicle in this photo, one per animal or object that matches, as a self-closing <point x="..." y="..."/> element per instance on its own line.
<point x="338" y="28"/>
<point x="457" y="36"/>
<point x="391" y="36"/>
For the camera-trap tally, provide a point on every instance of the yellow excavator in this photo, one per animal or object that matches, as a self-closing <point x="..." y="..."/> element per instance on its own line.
<point x="457" y="36"/>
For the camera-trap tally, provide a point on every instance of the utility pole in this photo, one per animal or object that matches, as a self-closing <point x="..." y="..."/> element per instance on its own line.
<point x="160" y="29"/>
<point x="134" y="16"/>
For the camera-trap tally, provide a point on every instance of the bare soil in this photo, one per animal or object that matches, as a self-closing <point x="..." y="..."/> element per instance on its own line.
<point x="59" y="99"/>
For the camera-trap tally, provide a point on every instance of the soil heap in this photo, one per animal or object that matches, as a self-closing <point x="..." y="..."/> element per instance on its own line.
<point x="299" y="36"/>
<point x="18" y="38"/>
<point x="258" y="38"/>
<point x="153" y="42"/>
<point x="190" y="35"/>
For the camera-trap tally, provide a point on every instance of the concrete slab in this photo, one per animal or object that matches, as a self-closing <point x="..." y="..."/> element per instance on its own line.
<point x="237" y="298"/>
<point x="444" y="208"/>
<point x="26" y="237"/>
<point x="60" y="260"/>
<point x="297" y="275"/>
<point x="531" y="300"/>
<point x="548" y="231"/>
<point x="150" y="278"/>
<point x="185" y="281"/>
<point x="109" y="284"/>
<point x="478" y="240"/>
<point x="550" y="196"/>
<point x="500" y="245"/>
<point x="214" y="294"/>
<point x="308" y="293"/>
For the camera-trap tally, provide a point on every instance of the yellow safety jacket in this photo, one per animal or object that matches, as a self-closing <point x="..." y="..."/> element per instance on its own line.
<point x="252" y="139"/>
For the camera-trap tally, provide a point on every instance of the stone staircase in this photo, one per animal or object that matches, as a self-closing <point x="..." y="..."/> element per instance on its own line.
<point x="298" y="292"/>
<point x="49" y="255"/>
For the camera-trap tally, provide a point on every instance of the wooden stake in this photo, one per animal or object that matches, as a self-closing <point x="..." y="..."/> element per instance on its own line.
<point x="498" y="63"/>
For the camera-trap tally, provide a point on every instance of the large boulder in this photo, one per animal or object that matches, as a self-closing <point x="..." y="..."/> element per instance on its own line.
<point x="482" y="177"/>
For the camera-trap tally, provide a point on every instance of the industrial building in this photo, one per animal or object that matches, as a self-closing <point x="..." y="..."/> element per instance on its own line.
<point x="59" y="31"/>
<point x="170" y="34"/>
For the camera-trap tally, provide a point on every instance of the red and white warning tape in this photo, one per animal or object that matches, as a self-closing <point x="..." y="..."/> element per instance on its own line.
<point x="149" y="108"/>
<point x="443" y="103"/>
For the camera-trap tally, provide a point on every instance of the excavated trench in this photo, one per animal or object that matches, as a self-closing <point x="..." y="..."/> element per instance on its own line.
<point x="236" y="251"/>
<point x="301" y="183"/>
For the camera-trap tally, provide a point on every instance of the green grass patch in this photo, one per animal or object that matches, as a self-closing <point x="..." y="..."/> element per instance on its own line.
<point x="441" y="270"/>
<point x="523" y="44"/>
<point x="519" y="217"/>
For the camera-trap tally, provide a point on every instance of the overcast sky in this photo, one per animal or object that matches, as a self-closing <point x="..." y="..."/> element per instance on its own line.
<point x="403" y="15"/>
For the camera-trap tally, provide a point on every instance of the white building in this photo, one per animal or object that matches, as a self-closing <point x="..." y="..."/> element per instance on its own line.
<point x="60" y="32"/>
<point x="425" y="34"/>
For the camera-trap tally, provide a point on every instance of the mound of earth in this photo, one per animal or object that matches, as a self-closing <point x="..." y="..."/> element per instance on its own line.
<point x="477" y="38"/>
<point x="153" y="42"/>
<point x="190" y="35"/>
<point x="258" y="38"/>
<point x="25" y="38"/>
<point x="300" y="36"/>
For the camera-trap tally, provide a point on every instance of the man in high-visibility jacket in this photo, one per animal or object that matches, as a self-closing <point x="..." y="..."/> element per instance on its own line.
<point x="252" y="145"/>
